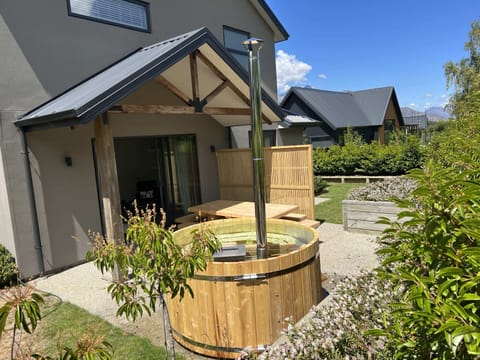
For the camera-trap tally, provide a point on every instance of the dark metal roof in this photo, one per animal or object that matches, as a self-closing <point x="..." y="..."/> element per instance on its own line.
<point x="419" y="120"/>
<point x="374" y="103"/>
<point x="347" y="109"/>
<point x="85" y="101"/>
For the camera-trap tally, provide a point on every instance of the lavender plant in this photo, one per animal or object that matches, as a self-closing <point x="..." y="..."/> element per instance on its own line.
<point x="393" y="188"/>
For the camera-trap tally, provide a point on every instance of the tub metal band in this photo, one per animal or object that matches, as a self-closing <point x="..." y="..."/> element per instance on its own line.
<point x="253" y="277"/>
<point x="219" y="348"/>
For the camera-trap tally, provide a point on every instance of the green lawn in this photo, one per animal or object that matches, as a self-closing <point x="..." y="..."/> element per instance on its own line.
<point x="331" y="210"/>
<point x="68" y="321"/>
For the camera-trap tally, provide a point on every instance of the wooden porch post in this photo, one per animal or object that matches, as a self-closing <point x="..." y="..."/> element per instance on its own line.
<point x="109" y="188"/>
<point x="381" y="135"/>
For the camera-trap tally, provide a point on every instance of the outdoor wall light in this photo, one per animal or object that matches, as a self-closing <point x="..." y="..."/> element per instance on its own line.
<point x="68" y="161"/>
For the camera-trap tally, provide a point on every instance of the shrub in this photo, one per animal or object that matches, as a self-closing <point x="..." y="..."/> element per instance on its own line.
<point x="356" y="158"/>
<point x="395" y="188"/>
<point x="8" y="268"/>
<point x="436" y="257"/>
<point x="319" y="184"/>
<point x="338" y="330"/>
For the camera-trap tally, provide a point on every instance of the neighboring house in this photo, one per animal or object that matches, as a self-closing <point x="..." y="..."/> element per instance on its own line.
<point x="290" y="131"/>
<point x="103" y="101"/>
<point x="372" y="113"/>
<point x="416" y="124"/>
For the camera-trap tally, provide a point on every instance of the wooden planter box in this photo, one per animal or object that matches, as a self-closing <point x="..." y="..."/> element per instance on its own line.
<point x="362" y="216"/>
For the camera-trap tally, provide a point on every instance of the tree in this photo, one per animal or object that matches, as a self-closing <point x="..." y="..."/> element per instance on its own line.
<point x="464" y="76"/>
<point x="432" y="253"/>
<point x="152" y="264"/>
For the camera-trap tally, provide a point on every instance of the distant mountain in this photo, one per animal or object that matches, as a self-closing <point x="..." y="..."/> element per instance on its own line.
<point x="435" y="113"/>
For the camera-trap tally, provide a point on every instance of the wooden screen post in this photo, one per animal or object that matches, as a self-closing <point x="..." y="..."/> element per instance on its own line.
<point x="109" y="188"/>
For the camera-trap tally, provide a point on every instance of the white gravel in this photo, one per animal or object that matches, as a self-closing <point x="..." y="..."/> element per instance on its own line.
<point x="345" y="253"/>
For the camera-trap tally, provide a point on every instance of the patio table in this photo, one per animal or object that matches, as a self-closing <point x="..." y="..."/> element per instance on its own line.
<point x="238" y="209"/>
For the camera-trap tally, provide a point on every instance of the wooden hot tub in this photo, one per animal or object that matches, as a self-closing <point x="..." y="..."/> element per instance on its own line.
<point x="243" y="304"/>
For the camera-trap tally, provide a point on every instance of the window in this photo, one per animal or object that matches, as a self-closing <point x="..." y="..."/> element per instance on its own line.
<point x="233" y="39"/>
<point x="132" y="14"/>
<point x="269" y="138"/>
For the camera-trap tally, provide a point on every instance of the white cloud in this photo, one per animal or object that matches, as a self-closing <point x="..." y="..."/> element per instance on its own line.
<point x="427" y="105"/>
<point x="413" y="105"/>
<point x="443" y="96"/>
<point x="290" y="71"/>
<point x="322" y="76"/>
<point x="428" y="95"/>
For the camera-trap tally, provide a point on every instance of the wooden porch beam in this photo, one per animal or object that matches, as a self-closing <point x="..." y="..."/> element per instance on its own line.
<point x="194" y="76"/>
<point x="226" y="111"/>
<point x="174" y="90"/>
<point x="232" y="86"/>
<point x="217" y="72"/>
<point x="178" y="110"/>
<point x="215" y="92"/>
<point x="156" y="109"/>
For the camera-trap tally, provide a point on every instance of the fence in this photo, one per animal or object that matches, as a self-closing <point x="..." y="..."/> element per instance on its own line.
<point x="288" y="176"/>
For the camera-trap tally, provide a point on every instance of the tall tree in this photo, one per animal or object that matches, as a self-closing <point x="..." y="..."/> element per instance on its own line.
<point x="464" y="76"/>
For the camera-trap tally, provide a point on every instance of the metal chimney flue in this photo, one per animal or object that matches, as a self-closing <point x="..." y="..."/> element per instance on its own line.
<point x="253" y="46"/>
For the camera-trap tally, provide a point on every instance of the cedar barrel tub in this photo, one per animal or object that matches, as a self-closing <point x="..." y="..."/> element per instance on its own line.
<point x="243" y="304"/>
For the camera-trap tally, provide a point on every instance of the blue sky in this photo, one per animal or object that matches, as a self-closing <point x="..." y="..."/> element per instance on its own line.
<point x="359" y="44"/>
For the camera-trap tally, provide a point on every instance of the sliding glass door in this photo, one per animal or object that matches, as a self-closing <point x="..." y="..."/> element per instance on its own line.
<point x="161" y="170"/>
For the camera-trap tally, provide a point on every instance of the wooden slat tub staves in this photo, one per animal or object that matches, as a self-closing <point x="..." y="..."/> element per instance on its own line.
<point x="247" y="312"/>
<point x="262" y="305"/>
<point x="243" y="304"/>
<point x="276" y="320"/>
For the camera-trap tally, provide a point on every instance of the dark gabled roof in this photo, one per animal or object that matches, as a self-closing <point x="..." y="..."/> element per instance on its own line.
<point x="349" y="108"/>
<point x="85" y="101"/>
<point x="419" y="120"/>
<point x="374" y="103"/>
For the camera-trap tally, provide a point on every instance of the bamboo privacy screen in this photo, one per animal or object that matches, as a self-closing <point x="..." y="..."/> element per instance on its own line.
<point x="288" y="176"/>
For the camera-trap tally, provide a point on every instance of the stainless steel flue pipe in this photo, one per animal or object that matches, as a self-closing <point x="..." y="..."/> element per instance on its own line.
<point x="253" y="46"/>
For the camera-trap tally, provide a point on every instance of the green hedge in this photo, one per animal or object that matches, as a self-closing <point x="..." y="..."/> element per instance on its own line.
<point x="400" y="156"/>
<point x="8" y="268"/>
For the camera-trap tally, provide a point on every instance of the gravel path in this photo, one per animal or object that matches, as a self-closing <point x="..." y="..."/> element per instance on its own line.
<point x="341" y="254"/>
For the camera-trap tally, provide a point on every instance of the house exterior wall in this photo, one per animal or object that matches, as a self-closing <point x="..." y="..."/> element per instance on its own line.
<point x="5" y="215"/>
<point x="44" y="52"/>
<point x="318" y="136"/>
<point x="392" y="114"/>
<point x="283" y="137"/>
<point x="67" y="197"/>
<point x="55" y="51"/>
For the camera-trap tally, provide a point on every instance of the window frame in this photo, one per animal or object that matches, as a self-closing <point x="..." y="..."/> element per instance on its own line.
<point x="236" y="51"/>
<point x="144" y="4"/>
<point x="267" y="134"/>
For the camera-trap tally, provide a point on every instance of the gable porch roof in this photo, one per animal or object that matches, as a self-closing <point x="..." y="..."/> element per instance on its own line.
<point x="224" y="82"/>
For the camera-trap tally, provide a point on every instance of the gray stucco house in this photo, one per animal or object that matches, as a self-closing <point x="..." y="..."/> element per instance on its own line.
<point x="103" y="101"/>
<point x="372" y="113"/>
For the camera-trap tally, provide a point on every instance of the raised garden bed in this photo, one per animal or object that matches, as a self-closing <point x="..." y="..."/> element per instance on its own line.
<point x="367" y="204"/>
<point x="362" y="216"/>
